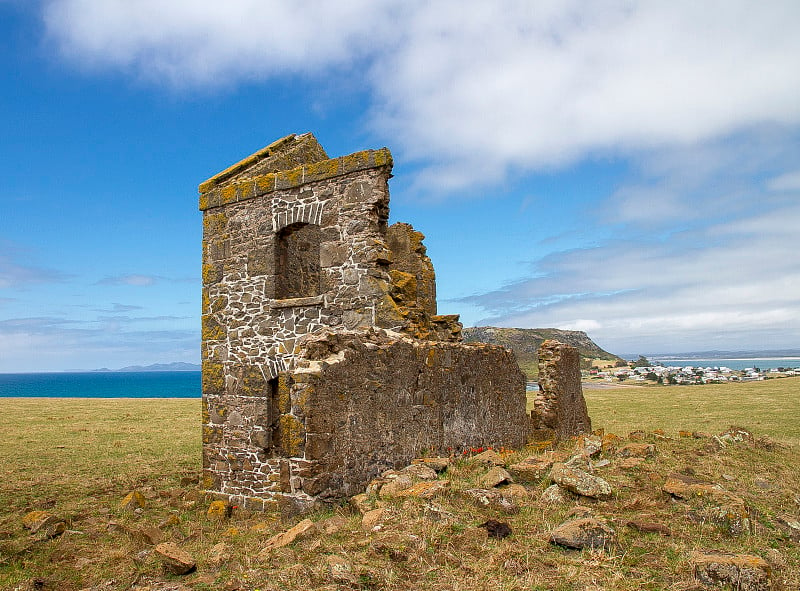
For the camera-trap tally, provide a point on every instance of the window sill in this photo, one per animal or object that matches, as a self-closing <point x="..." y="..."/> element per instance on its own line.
<point x="298" y="302"/>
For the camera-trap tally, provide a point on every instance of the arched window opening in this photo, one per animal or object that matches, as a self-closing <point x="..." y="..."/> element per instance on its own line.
<point x="297" y="264"/>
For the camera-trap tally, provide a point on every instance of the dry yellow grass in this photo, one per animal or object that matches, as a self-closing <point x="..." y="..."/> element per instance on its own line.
<point x="78" y="458"/>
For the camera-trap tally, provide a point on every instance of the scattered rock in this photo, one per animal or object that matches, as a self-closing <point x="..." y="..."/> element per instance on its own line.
<point x="637" y="435"/>
<point x="496" y="529"/>
<point x="630" y="463"/>
<point x="361" y="503"/>
<point x="531" y="469"/>
<point x="217" y="510"/>
<point x="437" y="464"/>
<point x="601" y="463"/>
<point x="683" y="486"/>
<point x="373" y="518"/>
<point x="219" y="555"/>
<point x="395" y="485"/>
<point x="132" y="501"/>
<point x="171" y="520"/>
<point x="650" y="527"/>
<point x="175" y="560"/>
<point x="495" y="477"/>
<point x="611" y="441"/>
<point x="490" y="457"/>
<point x="733" y="517"/>
<point x="743" y="572"/>
<point x="340" y="569"/>
<point x="149" y="535"/>
<point x="637" y="450"/>
<point x="332" y="525"/>
<point x="515" y="491"/>
<point x="491" y="498"/>
<point x="589" y="445"/>
<point x="426" y="489"/>
<point x="790" y="526"/>
<point x="555" y="495"/>
<point x="580" y="482"/>
<point x="583" y="533"/>
<point x="44" y="524"/>
<point x="420" y="472"/>
<point x="302" y="530"/>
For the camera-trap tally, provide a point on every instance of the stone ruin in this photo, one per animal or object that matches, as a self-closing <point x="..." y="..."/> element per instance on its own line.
<point x="559" y="409"/>
<point x="324" y="359"/>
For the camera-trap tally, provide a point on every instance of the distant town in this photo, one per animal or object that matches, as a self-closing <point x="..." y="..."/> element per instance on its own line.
<point x="644" y="371"/>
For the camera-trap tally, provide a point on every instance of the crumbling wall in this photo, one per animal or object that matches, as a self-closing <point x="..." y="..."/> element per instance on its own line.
<point x="559" y="407"/>
<point x="362" y="402"/>
<point x="300" y="383"/>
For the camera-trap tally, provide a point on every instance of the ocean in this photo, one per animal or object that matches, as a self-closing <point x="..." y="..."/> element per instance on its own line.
<point x="100" y="384"/>
<point x="735" y="364"/>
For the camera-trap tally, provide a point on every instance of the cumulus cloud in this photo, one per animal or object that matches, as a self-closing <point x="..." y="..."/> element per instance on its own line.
<point x="716" y="271"/>
<point x="477" y="90"/>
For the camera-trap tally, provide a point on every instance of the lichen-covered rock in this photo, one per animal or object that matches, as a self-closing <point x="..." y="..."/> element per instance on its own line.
<point x="132" y="501"/>
<point x="586" y="532"/>
<point x="743" y="572"/>
<point x="580" y="482"/>
<point x="495" y="477"/>
<point x="559" y="406"/>
<point x="531" y="469"/>
<point x="491" y="498"/>
<point x="302" y="530"/>
<point x="555" y="495"/>
<point x="637" y="450"/>
<point x="174" y="559"/>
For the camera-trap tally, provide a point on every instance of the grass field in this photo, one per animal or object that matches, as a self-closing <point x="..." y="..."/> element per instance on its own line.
<point x="77" y="458"/>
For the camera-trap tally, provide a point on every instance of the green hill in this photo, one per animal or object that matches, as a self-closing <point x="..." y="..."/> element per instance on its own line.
<point x="525" y="343"/>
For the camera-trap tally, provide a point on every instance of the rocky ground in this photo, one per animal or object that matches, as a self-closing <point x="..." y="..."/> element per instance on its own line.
<point x="644" y="511"/>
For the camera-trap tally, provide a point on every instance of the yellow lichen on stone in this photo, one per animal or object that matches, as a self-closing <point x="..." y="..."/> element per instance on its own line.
<point x="283" y="393"/>
<point x="217" y="510"/>
<point x="228" y="194"/>
<point x="133" y="500"/>
<point x="245" y="190"/>
<point x="213" y="378"/>
<point x="291" y="435"/>
<point x="211" y="329"/>
<point x="214" y="224"/>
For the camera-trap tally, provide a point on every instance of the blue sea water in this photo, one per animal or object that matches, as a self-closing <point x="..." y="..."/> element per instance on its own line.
<point x="115" y="384"/>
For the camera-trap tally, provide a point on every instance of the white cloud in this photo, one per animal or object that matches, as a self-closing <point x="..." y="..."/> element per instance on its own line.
<point x="785" y="182"/>
<point x="477" y="89"/>
<point x="132" y="280"/>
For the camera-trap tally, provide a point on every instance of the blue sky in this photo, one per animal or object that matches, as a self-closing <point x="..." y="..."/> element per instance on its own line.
<point x="627" y="168"/>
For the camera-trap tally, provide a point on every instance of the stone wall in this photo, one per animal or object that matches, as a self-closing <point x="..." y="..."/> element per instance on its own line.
<point x="298" y="260"/>
<point x="559" y="407"/>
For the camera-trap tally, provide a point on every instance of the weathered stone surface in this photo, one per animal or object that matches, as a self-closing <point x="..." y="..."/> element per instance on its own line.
<point x="555" y="495"/>
<point x="491" y="498"/>
<point x="174" y="559"/>
<point x="340" y="569"/>
<point x="374" y="518"/>
<point x="559" y="406"/>
<point x="219" y="554"/>
<point x="37" y="521"/>
<point x="495" y="477"/>
<point x="439" y="465"/>
<point x="683" y="486"/>
<point x="580" y="482"/>
<point x="531" y="469"/>
<point x="585" y="532"/>
<point x="790" y="525"/>
<point x="743" y="572"/>
<point x="426" y="489"/>
<point x="133" y="500"/>
<point x="302" y="530"/>
<point x="637" y="450"/>
<point x="489" y="457"/>
<point x="217" y="510"/>
<point x="324" y="360"/>
<point x="149" y="535"/>
<point x="421" y="472"/>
